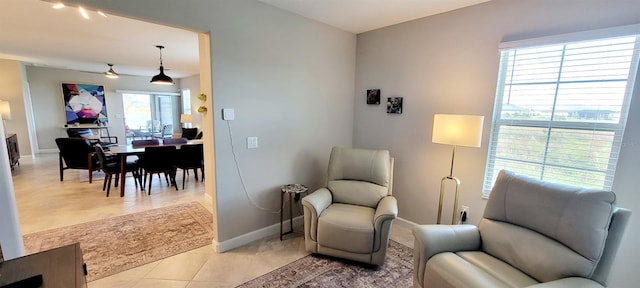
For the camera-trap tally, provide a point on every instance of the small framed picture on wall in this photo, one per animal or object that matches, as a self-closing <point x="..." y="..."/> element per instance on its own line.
<point x="373" y="96"/>
<point x="394" y="105"/>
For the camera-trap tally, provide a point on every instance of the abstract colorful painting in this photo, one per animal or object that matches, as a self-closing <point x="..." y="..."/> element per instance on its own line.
<point x="84" y="103"/>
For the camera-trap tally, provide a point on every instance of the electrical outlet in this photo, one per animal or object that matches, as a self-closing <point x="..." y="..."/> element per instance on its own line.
<point x="464" y="213"/>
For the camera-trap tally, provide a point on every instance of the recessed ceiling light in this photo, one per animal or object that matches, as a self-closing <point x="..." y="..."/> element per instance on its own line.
<point x="83" y="12"/>
<point x="102" y="14"/>
<point x="58" y="6"/>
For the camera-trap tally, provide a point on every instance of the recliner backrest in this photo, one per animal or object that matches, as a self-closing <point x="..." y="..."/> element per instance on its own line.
<point x="547" y="230"/>
<point x="359" y="176"/>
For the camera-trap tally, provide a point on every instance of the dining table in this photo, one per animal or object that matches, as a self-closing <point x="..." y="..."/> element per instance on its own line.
<point x="123" y="151"/>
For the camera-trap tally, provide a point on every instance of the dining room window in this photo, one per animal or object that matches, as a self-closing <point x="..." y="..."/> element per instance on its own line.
<point x="561" y="109"/>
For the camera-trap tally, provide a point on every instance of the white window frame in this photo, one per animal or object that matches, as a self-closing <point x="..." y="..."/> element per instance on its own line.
<point x="618" y="129"/>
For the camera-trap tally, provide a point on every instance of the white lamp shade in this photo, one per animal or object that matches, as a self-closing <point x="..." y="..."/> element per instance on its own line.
<point x="186" y="118"/>
<point x="459" y="130"/>
<point x="5" y="110"/>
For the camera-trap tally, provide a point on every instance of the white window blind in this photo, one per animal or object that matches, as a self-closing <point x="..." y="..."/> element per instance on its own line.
<point x="561" y="109"/>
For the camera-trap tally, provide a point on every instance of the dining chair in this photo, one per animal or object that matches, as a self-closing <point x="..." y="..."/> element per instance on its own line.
<point x="112" y="167"/>
<point x="159" y="159"/>
<point x="190" y="157"/>
<point x="174" y="141"/>
<point x="189" y="133"/>
<point x="76" y="153"/>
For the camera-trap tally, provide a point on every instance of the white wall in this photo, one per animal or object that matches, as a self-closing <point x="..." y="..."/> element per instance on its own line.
<point x="48" y="103"/>
<point x="11" y="77"/>
<point x="290" y="81"/>
<point x="448" y="63"/>
<point x="193" y="84"/>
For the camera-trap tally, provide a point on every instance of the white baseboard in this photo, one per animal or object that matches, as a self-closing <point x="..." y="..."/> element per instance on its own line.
<point x="247" y="238"/>
<point x="253" y="236"/>
<point x="208" y="198"/>
<point x="405" y="223"/>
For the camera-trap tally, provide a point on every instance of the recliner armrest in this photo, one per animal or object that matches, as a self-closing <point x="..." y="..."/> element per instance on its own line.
<point x="434" y="239"/>
<point x="387" y="210"/>
<point x="570" y="282"/>
<point x="318" y="200"/>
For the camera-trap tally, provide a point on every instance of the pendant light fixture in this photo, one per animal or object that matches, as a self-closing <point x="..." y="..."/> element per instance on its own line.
<point x="161" y="79"/>
<point x="111" y="74"/>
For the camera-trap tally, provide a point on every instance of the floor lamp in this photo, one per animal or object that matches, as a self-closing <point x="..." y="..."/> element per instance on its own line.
<point x="456" y="130"/>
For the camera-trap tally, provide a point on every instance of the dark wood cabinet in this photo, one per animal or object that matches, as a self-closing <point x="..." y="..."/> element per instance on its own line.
<point x="14" y="152"/>
<point x="58" y="267"/>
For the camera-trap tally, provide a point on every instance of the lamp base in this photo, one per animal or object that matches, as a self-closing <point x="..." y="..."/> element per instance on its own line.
<point x="455" y="202"/>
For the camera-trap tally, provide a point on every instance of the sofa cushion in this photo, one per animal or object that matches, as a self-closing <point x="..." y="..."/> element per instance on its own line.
<point x="498" y="269"/>
<point x="356" y="192"/>
<point x="576" y="217"/>
<point x="347" y="228"/>
<point x="533" y="253"/>
<point x="448" y="270"/>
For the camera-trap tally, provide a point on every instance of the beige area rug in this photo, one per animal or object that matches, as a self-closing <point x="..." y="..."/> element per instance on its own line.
<point x="113" y="245"/>
<point x="328" y="272"/>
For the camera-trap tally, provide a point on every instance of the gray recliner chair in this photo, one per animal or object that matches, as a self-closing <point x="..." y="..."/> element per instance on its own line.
<point x="533" y="234"/>
<point x="351" y="217"/>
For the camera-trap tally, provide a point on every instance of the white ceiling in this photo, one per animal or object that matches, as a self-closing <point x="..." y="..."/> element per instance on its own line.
<point x="33" y="32"/>
<point x="359" y="16"/>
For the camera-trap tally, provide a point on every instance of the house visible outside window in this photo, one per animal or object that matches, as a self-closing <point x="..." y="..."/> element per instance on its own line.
<point x="561" y="109"/>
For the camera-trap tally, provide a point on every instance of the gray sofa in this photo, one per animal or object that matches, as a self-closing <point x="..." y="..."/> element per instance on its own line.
<point x="532" y="234"/>
<point x="351" y="217"/>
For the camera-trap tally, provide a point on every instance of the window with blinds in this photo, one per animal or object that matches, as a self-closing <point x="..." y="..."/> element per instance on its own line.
<point x="561" y="109"/>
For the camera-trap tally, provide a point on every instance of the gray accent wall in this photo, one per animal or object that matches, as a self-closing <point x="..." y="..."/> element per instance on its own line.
<point x="448" y="63"/>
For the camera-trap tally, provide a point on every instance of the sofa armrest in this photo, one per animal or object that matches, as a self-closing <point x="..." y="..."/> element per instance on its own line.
<point x="433" y="239"/>
<point x="387" y="210"/>
<point x="570" y="282"/>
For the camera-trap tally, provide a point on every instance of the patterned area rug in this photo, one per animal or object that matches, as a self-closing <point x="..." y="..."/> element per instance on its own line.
<point x="113" y="245"/>
<point x="321" y="271"/>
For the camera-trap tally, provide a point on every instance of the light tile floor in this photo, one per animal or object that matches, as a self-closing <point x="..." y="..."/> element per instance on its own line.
<point x="44" y="203"/>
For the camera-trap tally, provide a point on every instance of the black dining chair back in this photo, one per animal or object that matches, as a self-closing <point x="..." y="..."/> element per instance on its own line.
<point x="190" y="157"/>
<point x="159" y="159"/>
<point x="145" y="142"/>
<point x="173" y="141"/>
<point x="111" y="166"/>
<point x="76" y="153"/>
<point x="189" y="133"/>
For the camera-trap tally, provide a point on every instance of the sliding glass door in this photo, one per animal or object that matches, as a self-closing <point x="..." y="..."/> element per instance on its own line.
<point x="146" y="114"/>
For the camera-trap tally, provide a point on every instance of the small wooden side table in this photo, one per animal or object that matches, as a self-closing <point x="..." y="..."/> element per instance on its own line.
<point x="291" y="189"/>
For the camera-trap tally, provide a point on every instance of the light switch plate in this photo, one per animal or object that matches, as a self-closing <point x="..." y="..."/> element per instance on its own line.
<point x="228" y="114"/>
<point x="252" y="142"/>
